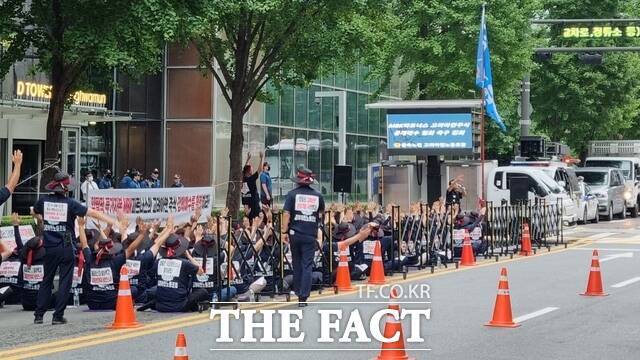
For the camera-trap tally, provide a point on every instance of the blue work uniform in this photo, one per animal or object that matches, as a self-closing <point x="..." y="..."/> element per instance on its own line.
<point x="174" y="279"/>
<point x="30" y="277"/>
<point x="105" y="183"/>
<point x="305" y="206"/>
<point x="59" y="213"/>
<point x="102" y="279"/>
<point x="140" y="265"/>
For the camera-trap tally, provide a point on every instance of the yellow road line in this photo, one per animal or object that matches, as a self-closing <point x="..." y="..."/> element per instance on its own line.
<point x="109" y="336"/>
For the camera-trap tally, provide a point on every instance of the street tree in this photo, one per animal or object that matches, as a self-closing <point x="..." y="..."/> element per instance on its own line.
<point x="247" y="43"/>
<point x="73" y="39"/>
<point x="576" y="102"/>
<point x="437" y="43"/>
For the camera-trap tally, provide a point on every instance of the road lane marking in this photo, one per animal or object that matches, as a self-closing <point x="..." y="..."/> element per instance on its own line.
<point x="605" y="249"/>
<point x="626" y="282"/>
<point x="626" y="255"/>
<point x="109" y="336"/>
<point x="534" y="314"/>
<point x="600" y="236"/>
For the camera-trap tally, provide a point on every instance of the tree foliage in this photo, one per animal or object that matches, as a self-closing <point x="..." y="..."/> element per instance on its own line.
<point x="247" y="43"/>
<point x="437" y="46"/>
<point x="575" y="102"/>
<point x="75" y="38"/>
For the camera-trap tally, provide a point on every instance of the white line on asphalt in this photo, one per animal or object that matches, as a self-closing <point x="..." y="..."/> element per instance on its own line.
<point x="314" y="349"/>
<point x="617" y="256"/>
<point x="626" y="282"/>
<point x="604" y="249"/>
<point x="600" y="236"/>
<point x="534" y="314"/>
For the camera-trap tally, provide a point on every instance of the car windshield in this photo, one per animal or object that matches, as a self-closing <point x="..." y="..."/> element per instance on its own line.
<point x="624" y="165"/>
<point x="595" y="178"/>
<point x="550" y="183"/>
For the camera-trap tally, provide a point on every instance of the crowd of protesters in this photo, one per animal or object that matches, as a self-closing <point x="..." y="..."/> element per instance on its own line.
<point x="183" y="267"/>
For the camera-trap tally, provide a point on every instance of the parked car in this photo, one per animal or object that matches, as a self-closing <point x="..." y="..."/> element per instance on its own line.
<point x="587" y="204"/>
<point x="566" y="177"/>
<point x="608" y="186"/>
<point x="540" y="185"/>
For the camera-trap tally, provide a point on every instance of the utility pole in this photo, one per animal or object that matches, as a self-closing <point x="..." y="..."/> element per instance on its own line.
<point x="525" y="106"/>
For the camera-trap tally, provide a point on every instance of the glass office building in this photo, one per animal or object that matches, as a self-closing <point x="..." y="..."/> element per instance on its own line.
<point x="295" y="129"/>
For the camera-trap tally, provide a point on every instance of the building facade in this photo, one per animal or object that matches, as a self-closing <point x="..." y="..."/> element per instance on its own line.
<point x="178" y="121"/>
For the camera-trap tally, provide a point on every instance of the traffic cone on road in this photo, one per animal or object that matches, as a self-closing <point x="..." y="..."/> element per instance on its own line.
<point x="594" y="285"/>
<point x="467" y="258"/>
<point x="526" y="241"/>
<point x="343" y="276"/>
<point x="125" y="315"/>
<point x="393" y="350"/>
<point x="181" y="348"/>
<point x="502" y="316"/>
<point x="376" y="276"/>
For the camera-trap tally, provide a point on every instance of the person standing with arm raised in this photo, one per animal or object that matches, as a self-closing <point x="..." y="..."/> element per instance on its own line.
<point x="59" y="213"/>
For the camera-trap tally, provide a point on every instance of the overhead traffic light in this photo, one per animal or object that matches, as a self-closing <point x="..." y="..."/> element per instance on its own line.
<point x="591" y="59"/>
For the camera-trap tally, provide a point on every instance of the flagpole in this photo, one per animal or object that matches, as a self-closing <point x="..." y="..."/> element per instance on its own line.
<point x="482" y="158"/>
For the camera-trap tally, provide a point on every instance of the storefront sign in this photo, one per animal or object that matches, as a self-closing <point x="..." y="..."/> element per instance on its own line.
<point x="430" y="133"/>
<point x="42" y="93"/>
<point x="153" y="204"/>
<point x="580" y="32"/>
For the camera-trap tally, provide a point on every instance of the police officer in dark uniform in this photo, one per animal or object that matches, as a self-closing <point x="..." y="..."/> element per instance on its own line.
<point x="59" y="213"/>
<point x="303" y="209"/>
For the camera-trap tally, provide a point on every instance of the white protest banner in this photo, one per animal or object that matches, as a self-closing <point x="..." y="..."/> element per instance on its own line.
<point x="8" y="238"/>
<point x="153" y="204"/>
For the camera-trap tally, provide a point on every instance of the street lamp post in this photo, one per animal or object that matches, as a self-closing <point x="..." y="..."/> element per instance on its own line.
<point x="342" y="122"/>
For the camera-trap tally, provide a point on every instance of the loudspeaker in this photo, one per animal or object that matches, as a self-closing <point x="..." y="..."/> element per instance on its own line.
<point x="342" y="178"/>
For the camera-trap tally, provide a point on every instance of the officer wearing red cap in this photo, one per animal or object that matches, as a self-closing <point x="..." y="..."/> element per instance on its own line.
<point x="58" y="214"/>
<point x="303" y="209"/>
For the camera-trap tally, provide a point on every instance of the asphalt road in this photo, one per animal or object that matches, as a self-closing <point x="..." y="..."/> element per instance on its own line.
<point x="556" y="323"/>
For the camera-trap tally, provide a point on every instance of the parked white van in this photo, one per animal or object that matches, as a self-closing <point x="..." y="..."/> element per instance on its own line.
<point x="540" y="185"/>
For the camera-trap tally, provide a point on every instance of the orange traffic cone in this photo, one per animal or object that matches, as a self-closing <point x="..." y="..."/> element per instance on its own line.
<point x="376" y="276"/>
<point x="526" y="241"/>
<point x="181" y="348"/>
<point x="502" y="316"/>
<point x="594" y="286"/>
<point x="125" y="315"/>
<point x="467" y="258"/>
<point x="393" y="350"/>
<point x="343" y="276"/>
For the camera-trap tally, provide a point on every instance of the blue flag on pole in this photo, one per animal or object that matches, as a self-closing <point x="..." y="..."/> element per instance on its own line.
<point x="484" y="78"/>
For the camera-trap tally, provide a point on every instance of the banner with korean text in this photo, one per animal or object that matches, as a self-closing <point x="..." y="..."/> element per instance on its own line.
<point x="153" y="204"/>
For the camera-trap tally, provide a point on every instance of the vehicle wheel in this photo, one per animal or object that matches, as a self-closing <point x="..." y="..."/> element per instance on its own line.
<point x="635" y="210"/>
<point x="584" y="217"/>
<point x="610" y="216"/>
<point x="597" y="219"/>
<point x="623" y="214"/>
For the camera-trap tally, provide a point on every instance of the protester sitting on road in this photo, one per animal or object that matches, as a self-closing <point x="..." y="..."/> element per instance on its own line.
<point x="205" y="254"/>
<point x="32" y="269"/>
<point x="346" y="236"/>
<point x="10" y="284"/>
<point x="175" y="273"/>
<point x="102" y="268"/>
<point x="138" y="264"/>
